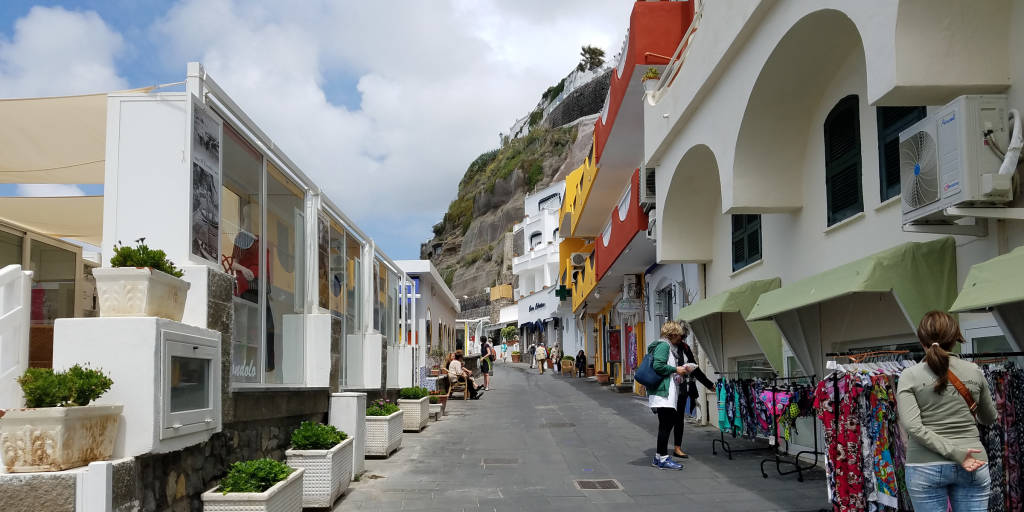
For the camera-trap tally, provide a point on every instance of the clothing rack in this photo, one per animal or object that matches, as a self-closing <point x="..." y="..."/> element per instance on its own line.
<point x="778" y="457"/>
<point x="726" y="447"/>
<point x="990" y="354"/>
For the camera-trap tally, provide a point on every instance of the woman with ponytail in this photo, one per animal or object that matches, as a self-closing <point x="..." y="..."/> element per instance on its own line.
<point x="941" y="400"/>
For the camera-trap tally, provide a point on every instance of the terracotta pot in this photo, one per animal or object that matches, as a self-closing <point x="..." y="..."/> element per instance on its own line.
<point x="602" y="378"/>
<point x="434" y="372"/>
<point x="517" y="358"/>
<point x="590" y="371"/>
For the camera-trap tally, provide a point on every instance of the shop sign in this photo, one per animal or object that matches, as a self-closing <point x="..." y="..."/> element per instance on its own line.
<point x="205" y="148"/>
<point x="539" y="305"/>
<point x="629" y="306"/>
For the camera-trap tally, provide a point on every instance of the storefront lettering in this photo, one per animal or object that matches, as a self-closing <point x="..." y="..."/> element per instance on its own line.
<point x="243" y="370"/>
<point x="539" y="305"/>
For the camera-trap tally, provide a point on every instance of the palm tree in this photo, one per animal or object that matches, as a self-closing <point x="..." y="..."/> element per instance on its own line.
<point x="592" y="58"/>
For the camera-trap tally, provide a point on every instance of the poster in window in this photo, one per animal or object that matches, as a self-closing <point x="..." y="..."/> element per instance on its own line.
<point x="205" y="145"/>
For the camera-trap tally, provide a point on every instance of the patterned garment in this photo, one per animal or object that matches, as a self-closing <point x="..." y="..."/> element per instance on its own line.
<point x="992" y="438"/>
<point x="883" y="414"/>
<point x="844" y="465"/>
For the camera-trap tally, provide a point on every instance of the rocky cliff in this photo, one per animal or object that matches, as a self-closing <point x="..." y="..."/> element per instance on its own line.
<point x="472" y="245"/>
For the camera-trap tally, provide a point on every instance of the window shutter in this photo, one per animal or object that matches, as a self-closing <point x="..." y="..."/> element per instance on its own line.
<point x="746" y="240"/>
<point x="842" y="161"/>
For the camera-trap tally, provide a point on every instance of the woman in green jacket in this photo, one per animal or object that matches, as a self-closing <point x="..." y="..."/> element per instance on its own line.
<point x="664" y="399"/>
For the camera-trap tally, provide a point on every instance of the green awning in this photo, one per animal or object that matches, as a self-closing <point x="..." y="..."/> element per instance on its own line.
<point x="920" y="276"/>
<point x="737" y="303"/>
<point x="997" y="281"/>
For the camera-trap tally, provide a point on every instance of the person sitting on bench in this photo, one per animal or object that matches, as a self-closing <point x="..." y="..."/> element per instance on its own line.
<point x="458" y="373"/>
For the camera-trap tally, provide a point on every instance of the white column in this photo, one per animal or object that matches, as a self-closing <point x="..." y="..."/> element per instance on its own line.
<point x="15" y="313"/>
<point x="348" y="414"/>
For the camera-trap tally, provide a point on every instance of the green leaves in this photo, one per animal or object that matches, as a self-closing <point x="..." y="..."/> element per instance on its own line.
<point x="142" y="256"/>
<point x="316" y="436"/>
<point x="381" y="408"/>
<point x="413" y="393"/>
<point x="43" y="387"/>
<point x="254" y="475"/>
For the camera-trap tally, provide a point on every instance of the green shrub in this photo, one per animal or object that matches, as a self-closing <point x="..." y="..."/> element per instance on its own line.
<point x="534" y="175"/>
<point x="413" y="393"/>
<point x="142" y="256"/>
<point x="381" y="408"/>
<point x="535" y="117"/>
<point x="516" y="353"/>
<point x="568" y="358"/>
<point x="316" y="436"/>
<point x="43" y="387"/>
<point x="434" y="399"/>
<point x="254" y="475"/>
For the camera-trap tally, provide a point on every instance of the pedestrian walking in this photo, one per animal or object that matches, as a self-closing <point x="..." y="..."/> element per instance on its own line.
<point x="581" y="364"/>
<point x="486" y="361"/>
<point x="556" y="358"/>
<point x="533" y="356"/>
<point x="504" y="351"/>
<point x="946" y="464"/>
<point x="664" y="399"/>
<point x="541" y="355"/>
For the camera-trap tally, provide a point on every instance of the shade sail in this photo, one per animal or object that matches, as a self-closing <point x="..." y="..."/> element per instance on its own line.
<point x="76" y="217"/>
<point x="708" y="317"/>
<point x="54" y="140"/>
<point x="917" y="277"/>
<point x="997" y="285"/>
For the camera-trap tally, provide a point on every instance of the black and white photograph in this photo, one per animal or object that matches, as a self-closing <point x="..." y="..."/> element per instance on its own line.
<point x="206" y="133"/>
<point x="205" y="213"/>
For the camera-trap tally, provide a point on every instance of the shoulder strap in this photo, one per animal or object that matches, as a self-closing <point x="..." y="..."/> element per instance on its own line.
<point x="963" y="392"/>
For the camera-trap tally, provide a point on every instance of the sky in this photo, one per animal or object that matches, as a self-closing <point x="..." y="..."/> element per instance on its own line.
<point x="383" y="104"/>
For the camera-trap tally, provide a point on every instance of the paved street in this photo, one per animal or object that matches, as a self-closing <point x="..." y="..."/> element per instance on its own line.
<point x="522" y="446"/>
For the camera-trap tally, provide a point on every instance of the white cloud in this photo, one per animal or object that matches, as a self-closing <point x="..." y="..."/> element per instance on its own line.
<point x="438" y="82"/>
<point x="54" y="52"/>
<point x="48" y="190"/>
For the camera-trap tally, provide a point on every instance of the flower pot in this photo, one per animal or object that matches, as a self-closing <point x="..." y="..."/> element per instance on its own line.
<point x="383" y="434"/>
<point x="130" y="291"/>
<point x="435" y="411"/>
<point x="444" y="404"/>
<point x="602" y="378"/>
<point x="417" y="413"/>
<point x="590" y="371"/>
<point x="517" y="358"/>
<point x="57" y="438"/>
<point x="327" y="472"/>
<point x="434" y="372"/>
<point x="651" y="84"/>
<point x="284" y="496"/>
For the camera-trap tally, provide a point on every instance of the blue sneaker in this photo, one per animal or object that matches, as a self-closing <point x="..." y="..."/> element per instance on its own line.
<point x="670" y="464"/>
<point x="655" y="461"/>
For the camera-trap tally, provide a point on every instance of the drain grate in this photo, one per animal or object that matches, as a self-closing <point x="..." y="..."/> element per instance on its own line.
<point x="559" y="425"/>
<point x="498" y="461"/>
<point x="598" y="485"/>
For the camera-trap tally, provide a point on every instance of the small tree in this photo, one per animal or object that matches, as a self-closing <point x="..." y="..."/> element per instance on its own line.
<point x="508" y="333"/>
<point x="591" y="58"/>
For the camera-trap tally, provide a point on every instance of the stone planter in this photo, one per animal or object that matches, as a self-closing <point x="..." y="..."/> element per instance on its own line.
<point x="130" y="291"/>
<point x="327" y="473"/>
<point x="602" y="378"/>
<point x="57" y="438"/>
<point x="284" y="496"/>
<point x="650" y="85"/>
<point x="417" y="413"/>
<point x="383" y="434"/>
<point x="517" y="358"/>
<point x="435" y="411"/>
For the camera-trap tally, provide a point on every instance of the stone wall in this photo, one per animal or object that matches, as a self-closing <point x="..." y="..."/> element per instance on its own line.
<point x="584" y="101"/>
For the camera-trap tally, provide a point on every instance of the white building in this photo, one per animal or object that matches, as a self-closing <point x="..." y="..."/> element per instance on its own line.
<point x="432" y="309"/>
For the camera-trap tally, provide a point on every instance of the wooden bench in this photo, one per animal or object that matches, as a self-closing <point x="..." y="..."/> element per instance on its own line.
<point x="458" y="385"/>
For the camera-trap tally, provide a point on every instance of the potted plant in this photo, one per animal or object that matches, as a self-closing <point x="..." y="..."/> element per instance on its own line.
<point x="567" y="365"/>
<point x="650" y="79"/>
<point x="142" y="282"/>
<point x="517" y="357"/>
<point x="326" y="454"/>
<point x="416" y="404"/>
<point x="602" y="377"/>
<point x="383" y="427"/>
<point x="261" y="485"/>
<point x="590" y="370"/>
<point x="436" y="409"/>
<point x="58" y="429"/>
<point x="442" y="399"/>
<point x="436" y="355"/>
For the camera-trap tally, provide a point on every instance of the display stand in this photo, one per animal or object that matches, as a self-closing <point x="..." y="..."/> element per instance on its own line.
<point x="778" y="457"/>
<point x="726" y="447"/>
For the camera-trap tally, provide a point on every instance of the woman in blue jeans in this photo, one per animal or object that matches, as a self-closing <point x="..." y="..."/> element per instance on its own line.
<point x="937" y="400"/>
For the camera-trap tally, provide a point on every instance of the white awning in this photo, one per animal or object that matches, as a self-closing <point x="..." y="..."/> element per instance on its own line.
<point x="54" y="140"/>
<point x="76" y="217"/>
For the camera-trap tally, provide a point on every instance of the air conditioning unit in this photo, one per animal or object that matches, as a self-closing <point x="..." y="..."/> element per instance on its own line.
<point x="579" y="259"/>
<point x="651" y="233"/>
<point x="945" y="160"/>
<point x="647" y="198"/>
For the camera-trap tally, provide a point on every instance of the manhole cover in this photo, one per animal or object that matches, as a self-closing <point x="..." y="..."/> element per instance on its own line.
<point x="497" y="461"/>
<point x="559" y="425"/>
<point x="598" y="485"/>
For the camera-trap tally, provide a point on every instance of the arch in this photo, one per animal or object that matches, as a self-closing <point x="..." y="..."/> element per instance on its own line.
<point x="779" y="116"/>
<point x="686" y="222"/>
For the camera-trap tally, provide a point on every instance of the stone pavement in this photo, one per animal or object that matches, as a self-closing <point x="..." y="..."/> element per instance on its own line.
<point x="524" y="444"/>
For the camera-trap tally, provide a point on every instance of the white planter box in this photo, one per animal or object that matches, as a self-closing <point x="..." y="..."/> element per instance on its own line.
<point x="383" y="434"/>
<point x="57" y="438"/>
<point x="435" y="411"/>
<point x="129" y="291"/>
<point x="327" y="475"/>
<point x="650" y="85"/>
<point x="417" y="413"/>
<point x="284" y="496"/>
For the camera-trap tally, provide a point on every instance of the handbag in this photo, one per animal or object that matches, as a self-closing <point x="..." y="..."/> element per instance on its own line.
<point x="645" y="373"/>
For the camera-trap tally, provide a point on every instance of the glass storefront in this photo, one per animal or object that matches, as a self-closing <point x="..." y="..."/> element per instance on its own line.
<point x="286" y="268"/>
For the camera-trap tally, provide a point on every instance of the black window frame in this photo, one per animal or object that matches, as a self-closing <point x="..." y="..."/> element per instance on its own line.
<point x="843" y="161"/>
<point x="891" y="121"/>
<point x="745" y="228"/>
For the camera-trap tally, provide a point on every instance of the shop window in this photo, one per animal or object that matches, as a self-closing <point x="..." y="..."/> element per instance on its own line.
<point x="353" y="284"/>
<point x="10" y="249"/>
<point x="53" y="282"/>
<point x="746" y="240"/>
<point x="240" y="225"/>
<point x="753" y="368"/>
<point x="892" y="121"/>
<point x="843" y="161"/>
<point x="323" y="264"/>
<point x="335" y="275"/>
<point x="286" y="270"/>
